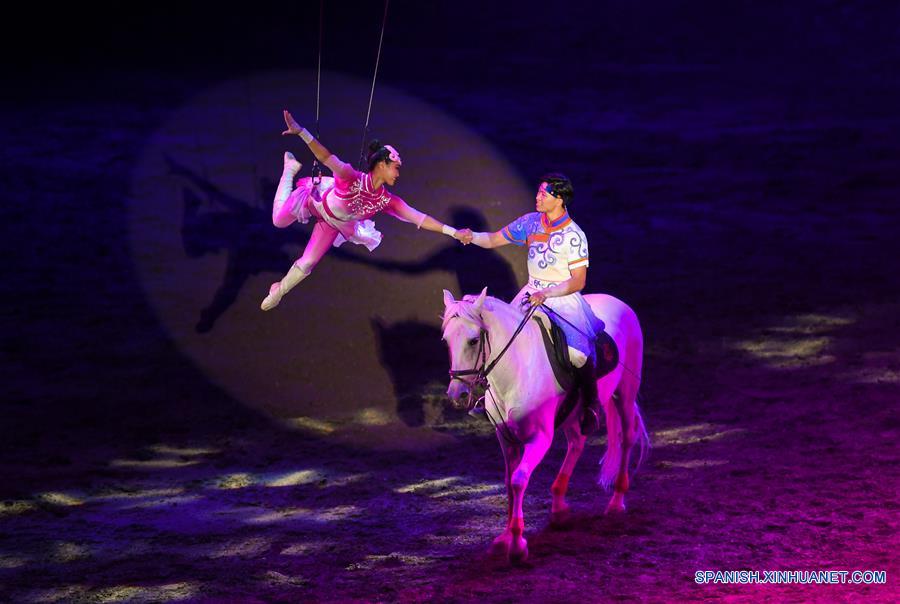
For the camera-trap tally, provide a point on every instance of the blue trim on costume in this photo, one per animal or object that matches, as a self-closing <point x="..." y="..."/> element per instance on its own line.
<point x="506" y="234"/>
<point x="559" y="220"/>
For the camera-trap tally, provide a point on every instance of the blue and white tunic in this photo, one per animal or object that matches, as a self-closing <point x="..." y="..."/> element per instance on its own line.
<point x="554" y="249"/>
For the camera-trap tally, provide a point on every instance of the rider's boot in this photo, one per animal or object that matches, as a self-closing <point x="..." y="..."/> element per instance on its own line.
<point x="585" y="377"/>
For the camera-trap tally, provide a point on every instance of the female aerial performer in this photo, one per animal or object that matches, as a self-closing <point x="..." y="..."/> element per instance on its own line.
<point x="342" y="207"/>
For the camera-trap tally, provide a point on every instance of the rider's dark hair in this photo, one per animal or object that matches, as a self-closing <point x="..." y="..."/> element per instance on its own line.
<point x="559" y="185"/>
<point x="377" y="153"/>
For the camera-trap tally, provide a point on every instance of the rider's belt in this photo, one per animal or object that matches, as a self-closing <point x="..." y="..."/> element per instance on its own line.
<point x="541" y="283"/>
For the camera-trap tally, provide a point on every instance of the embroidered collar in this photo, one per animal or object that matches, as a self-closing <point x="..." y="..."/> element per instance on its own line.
<point x="367" y="183"/>
<point x="555" y="225"/>
<point x="368" y="186"/>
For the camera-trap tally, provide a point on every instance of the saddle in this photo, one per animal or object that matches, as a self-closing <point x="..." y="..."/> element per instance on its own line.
<point x="607" y="355"/>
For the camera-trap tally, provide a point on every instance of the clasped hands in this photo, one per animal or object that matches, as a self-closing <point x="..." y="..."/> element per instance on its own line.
<point x="464" y="236"/>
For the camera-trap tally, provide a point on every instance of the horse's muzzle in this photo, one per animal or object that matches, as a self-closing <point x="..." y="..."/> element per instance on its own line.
<point x="458" y="392"/>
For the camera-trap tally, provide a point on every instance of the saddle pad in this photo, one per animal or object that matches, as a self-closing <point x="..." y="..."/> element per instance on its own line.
<point x="563" y="370"/>
<point x="558" y="354"/>
<point x="607" y="354"/>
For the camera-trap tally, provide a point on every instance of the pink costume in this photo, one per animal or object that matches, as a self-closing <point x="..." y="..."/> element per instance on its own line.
<point x="342" y="205"/>
<point x="345" y="205"/>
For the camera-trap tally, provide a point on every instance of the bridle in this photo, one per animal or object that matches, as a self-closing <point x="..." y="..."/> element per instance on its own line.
<point x="481" y="373"/>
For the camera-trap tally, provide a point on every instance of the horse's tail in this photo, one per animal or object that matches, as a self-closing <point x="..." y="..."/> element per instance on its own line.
<point x="612" y="459"/>
<point x="643" y="437"/>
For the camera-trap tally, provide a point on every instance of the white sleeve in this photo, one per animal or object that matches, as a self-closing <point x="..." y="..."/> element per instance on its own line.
<point x="576" y="247"/>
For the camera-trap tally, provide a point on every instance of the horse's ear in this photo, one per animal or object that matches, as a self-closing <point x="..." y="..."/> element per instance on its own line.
<point x="480" y="299"/>
<point x="448" y="298"/>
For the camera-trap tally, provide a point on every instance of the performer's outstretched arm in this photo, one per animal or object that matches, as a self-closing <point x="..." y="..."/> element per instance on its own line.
<point x="488" y="240"/>
<point x="403" y="211"/>
<point x="341" y="169"/>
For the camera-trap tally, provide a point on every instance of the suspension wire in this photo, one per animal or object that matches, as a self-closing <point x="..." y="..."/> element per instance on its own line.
<point x="319" y="69"/>
<point x="316" y="168"/>
<point x="362" y="149"/>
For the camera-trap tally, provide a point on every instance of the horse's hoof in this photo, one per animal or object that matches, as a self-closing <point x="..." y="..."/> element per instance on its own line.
<point x="518" y="555"/>
<point x="615" y="509"/>
<point x="500" y="547"/>
<point x="560" y="519"/>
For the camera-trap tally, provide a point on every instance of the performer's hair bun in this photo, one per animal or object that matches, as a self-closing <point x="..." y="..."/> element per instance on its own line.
<point x="377" y="153"/>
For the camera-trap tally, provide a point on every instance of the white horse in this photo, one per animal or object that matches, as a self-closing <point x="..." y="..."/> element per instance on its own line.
<point x="524" y="396"/>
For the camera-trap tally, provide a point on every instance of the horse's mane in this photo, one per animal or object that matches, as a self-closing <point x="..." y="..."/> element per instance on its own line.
<point x="465" y="309"/>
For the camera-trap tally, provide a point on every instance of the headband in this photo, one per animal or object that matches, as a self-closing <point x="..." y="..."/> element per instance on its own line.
<point x="394" y="156"/>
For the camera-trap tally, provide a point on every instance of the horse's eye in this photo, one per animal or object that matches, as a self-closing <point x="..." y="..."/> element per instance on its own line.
<point x="473" y="341"/>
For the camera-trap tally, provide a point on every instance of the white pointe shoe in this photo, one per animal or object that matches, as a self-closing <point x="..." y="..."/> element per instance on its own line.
<point x="291" y="163"/>
<point x="278" y="289"/>
<point x="274" y="297"/>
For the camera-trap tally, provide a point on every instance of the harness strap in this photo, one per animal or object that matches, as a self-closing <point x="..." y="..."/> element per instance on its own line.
<point x="481" y="375"/>
<point x="521" y="326"/>
<point x="328" y="210"/>
<point x="485" y="370"/>
<point x="482" y="354"/>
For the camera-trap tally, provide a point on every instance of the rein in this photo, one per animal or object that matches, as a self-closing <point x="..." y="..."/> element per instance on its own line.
<point x="550" y="311"/>
<point x="481" y="374"/>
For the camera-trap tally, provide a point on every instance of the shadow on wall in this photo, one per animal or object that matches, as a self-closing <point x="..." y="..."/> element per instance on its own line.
<point x="417" y="362"/>
<point x="216" y="222"/>
<point x="412" y="352"/>
<point x="473" y="267"/>
<point x="219" y="222"/>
